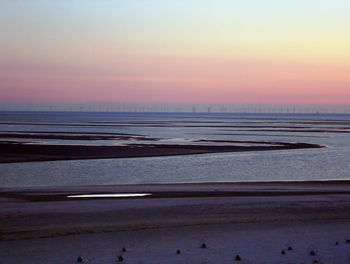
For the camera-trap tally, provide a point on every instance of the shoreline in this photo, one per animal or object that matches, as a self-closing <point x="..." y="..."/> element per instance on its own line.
<point x="167" y="205"/>
<point x="182" y="190"/>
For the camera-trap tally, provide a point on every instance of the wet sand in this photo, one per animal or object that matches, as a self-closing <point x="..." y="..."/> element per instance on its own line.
<point x="74" y="136"/>
<point x="48" y="211"/>
<point x="11" y="151"/>
<point x="254" y="220"/>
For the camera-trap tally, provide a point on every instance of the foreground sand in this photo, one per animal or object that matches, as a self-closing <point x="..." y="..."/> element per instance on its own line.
<point x="254" y="242"/>
<point x="255" y="220"/>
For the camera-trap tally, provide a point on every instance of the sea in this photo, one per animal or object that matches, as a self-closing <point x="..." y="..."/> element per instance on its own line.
<point x="329" y="163"/>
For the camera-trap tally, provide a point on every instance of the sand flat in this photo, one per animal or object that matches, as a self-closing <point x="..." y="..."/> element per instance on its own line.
<point x="38" y="225"/>
<point x="256" y="243"/>
<point x="12" y="151"/>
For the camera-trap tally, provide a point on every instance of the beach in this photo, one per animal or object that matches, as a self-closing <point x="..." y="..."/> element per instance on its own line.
<point x="256" y="221"/>
<point x="175" y="132"/>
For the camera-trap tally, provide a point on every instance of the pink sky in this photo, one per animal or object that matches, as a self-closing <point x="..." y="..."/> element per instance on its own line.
<point x="243" y="52"/>
<point x="178" y="80"/>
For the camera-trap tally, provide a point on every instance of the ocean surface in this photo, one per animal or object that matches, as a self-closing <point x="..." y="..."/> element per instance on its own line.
<point x="330" y="130"/>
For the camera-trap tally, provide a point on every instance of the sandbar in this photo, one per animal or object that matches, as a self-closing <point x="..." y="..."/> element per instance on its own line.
<point x="12" y="151"/>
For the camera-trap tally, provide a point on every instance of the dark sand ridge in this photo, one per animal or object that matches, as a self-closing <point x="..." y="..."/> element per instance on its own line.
<point x="41" y="211"/>
<point x="74" y="136"/>
<point x="24" y="152"/>
<point x="72" y="132"/>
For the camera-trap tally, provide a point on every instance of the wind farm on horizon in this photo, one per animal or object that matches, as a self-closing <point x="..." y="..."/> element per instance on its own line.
<point x="181" y="108"/>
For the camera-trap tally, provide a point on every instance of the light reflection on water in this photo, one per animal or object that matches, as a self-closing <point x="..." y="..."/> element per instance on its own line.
<point x="109" y="195"/>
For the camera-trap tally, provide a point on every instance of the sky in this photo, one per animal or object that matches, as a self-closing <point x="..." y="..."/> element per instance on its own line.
<point x="184" y="51"/>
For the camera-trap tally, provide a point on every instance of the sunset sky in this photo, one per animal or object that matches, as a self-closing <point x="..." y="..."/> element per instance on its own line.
<point x="184" y="51"/>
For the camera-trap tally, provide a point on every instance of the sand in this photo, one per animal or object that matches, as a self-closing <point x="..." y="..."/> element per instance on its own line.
<point x="253" y="242"/>
<point x="11" y="151"/>
<point x="255" y="220"/>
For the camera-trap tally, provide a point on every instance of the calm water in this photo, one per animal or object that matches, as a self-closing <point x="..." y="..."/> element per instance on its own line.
<point x="332" y="162"/>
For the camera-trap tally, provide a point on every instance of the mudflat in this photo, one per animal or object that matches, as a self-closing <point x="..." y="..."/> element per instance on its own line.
<point x="11" y="151"/>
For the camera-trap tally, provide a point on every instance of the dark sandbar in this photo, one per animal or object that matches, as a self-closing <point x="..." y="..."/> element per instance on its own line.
<point x="24" y="152"/>
<point x="75" y="136"/>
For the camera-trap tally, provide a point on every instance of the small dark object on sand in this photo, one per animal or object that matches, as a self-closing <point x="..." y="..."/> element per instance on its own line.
<point x="283" y="252"/>
<point x="290" y="248"/>
<point x="204" y="245"/>
<point x="347" y="241"/>
<point x="178" y="251"/>
<point x="124" y="249"/>
<point x="312" y="253"/>
<point x="336" y="243"/>
<point x="80" y="259"/>
<point x="120" y="258"/>
<point x="238" y="258"/>
<point x="315" y="261"/>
